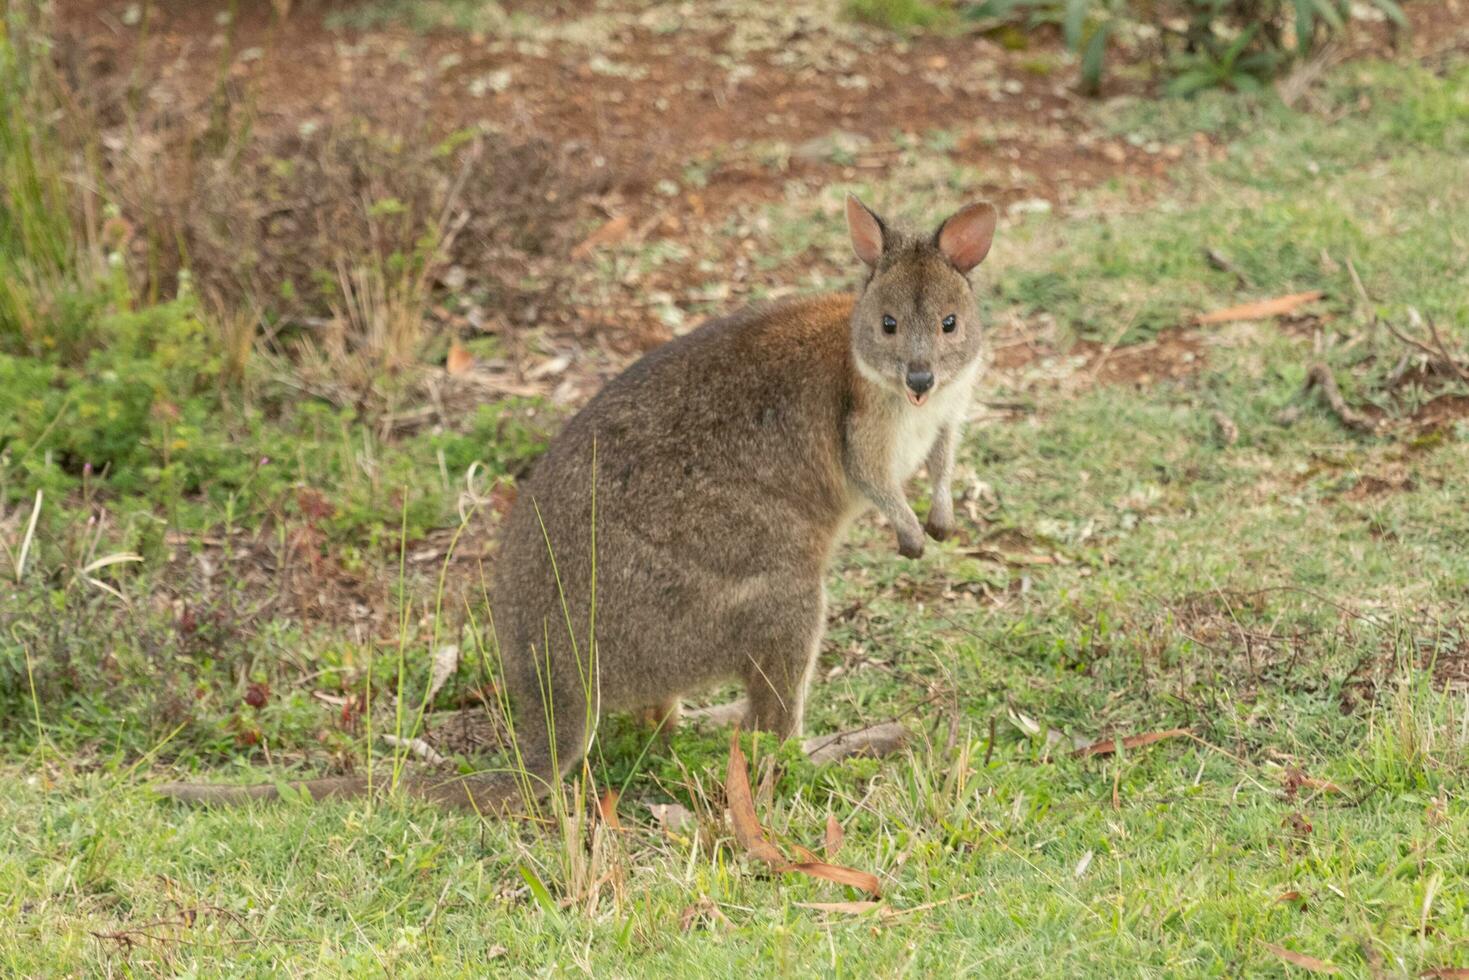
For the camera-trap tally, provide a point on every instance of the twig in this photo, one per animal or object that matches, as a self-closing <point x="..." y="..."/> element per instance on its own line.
<point x="1449" y="358"/>
<point x="1101" y="362"/>
<point x="1437" y="352"/>
<point x="1413" y="342"/>
<point x="1320" y="376"/>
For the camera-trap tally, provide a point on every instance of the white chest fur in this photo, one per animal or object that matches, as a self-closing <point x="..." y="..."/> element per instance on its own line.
<point x="916" y="427"/>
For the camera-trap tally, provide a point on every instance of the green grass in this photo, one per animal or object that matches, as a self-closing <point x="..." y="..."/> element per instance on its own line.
<point x="903" y="16"/>
<point x="1137" y="574"/>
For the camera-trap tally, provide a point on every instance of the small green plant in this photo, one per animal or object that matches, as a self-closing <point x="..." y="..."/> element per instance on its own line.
<point x="1202" y="43"/>
<point x="49" y="279"/>
<point x="897" y="15"/>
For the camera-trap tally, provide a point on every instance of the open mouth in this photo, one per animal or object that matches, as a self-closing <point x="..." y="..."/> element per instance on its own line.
<point x="915" y="398"/>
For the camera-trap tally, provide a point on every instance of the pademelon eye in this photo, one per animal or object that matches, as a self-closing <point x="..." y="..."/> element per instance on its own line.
<point x="950" y="323"/>
<point x="889" y="325"/>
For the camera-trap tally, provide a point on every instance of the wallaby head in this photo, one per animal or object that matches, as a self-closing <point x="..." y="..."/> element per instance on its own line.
<point x="916" y="327"/>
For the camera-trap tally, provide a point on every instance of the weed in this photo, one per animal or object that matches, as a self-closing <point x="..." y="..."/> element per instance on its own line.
<point x="1203" y="43"/>
<point x="898" y="15"/>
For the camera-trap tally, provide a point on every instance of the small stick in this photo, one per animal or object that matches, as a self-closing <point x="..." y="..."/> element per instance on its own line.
<point x="1320" y="376"/>
<point x="1449" y="358"/>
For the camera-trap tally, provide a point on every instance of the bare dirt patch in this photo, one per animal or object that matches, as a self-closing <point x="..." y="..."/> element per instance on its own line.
<point x="1443" y="412"/>
<point x="676" y="122"/>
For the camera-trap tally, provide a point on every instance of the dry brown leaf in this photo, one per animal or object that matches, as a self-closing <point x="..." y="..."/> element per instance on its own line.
<point x="1260" y="310"/>
<point x="607" y="808"/>
<point x="839" y="874"/>
<point x="834" y="836"/>
<point x="845" y="908"/>
<point x="1447" y="973"/>
<point x="805" y="853"/>
<point x="751" y="835"/>
<point x="1294" y="779"/>
<point x="460" y="360"/>
<point x="1109" y="745"/>
<point x="1301" y="960"/>
<point x="614" y="231"/>
<point x="747" y="829"/>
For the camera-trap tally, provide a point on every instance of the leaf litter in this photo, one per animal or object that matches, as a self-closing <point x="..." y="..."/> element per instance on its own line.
<point x="753" y="838"/>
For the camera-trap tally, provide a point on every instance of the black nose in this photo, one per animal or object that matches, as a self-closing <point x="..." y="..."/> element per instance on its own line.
<point x="920" y="380"/>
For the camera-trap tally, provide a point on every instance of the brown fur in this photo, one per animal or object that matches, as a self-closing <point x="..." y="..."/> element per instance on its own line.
<point x="712" y="481"/>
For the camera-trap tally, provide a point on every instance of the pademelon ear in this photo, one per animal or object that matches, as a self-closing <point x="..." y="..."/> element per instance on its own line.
<point x="965" y="237"/>
<point x="866" y="231"/>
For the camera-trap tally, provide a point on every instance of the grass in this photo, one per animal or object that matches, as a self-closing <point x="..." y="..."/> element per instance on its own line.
<point x="1294" y="597"/>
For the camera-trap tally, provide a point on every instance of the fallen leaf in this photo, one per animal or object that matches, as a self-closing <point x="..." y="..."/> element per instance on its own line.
<point x="1024" y="722"/>
<point x="672" y="817"/>
<point x="446" y="661"/>
<point x="873" y="741"/>
<point x="841" y="875"/>
<point x="614" y="231"/>
<point x="1294" y="779"/>
<point x="845" y="908"/>
<point x="459" y="360"/>
<point x="1109" y="745"/>
<point x="1260" y="310"/>
<point x="747" y="829"/>
<point x="607" y="808"/>
<point x="805" y="854"/>
<point x="1447" y="973"/>
<point x="549" y="367"/>
<point x="834" y="836"/>
<point x="1083" y="864"/>
<point x="751" y="836"/>
<point x="1301" y="960"/>
<point x="418" y="747"/>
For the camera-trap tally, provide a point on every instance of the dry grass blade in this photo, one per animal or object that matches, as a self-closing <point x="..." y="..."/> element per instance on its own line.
<point x="1261" y="310"/>
<point x="741" y="802"/>
<point x="1109" y="745"/>
<point x="1447" y="973"/>
<point x="1301" y="960"/>
<point x="25" y="544"/>
<point x="109" y="560"/>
